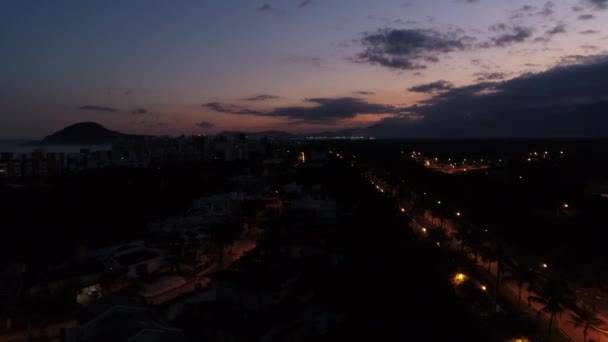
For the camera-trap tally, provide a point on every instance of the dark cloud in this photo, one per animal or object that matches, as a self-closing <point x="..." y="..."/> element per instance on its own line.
<point x="326" y="111"/>
<point x="586" y="17"/>
<point x="529" y="11"/>
<point x="560" y="28"/>
<point x="98" y="108"/>
<point x="315" y="61"/>
<point x="262" y="97"/>
<point x="305" y="3"/>
<point x="408" y="49"/>
<point x="363" y="92"/>
<point x="590" y="32"/>
<point x="205" y="125"/>
<point x="590" y="47"/>
<point x="139" y="111"/>
<point x="600" y="4"/>
<point x="508" y="35"/>
<point x="548" y="9"/>
<point x="432" y="87"/>
<point x="542" y="39"/>
<point x="264" y="7"/>
<point x="573" y="60"/>
<point x="489" y="76"/>
<point x="568" y="100"/>
<point x="524" y="11"/>
<point x="228" y="109"/>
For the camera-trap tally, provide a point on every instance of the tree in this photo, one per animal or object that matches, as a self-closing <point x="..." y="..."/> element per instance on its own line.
<point x="476" y="242"/>
<point x="520" y="272"/>
<point x="222" y="236"/>
<point x="555" y="297"/>
<point x="585" y="317"/>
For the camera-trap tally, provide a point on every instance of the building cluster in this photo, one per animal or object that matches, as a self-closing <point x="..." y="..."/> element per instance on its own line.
<point x="140" y="151"/>
<point x="258" y="249"/>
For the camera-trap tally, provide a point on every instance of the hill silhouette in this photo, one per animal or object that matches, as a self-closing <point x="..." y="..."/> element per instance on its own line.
<point x="83" y="132"/>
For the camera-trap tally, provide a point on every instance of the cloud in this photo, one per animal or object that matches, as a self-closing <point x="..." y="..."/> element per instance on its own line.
<point x="363" y="92"/>
<point x="560" y="28"/>
<point x="599" y="4"/>
<point x="262" y="97"/>
<point x="548" y="9"/>
<point x="264" y="8"/>
<point x="524" y="11"/>
<point x="432" y="87"/>
<point x="408" y="49"/>
<point x="315" y="61"/>
<point x="139" y="111"/>
<point x="590" y="32"/>
<point x="228" y="109"/>
<point x="586" y="17"/>
<point x="205" y="124"/>
<point x="98" y="108"/>
<point x="489" y="76"/>
<point x="327" y="111"/>
<point x="305" y="3"/>
<point x="567" y="100"/>
<point x="508" y="35"/>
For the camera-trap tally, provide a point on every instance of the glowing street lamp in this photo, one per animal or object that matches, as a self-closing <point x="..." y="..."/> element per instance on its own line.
<point x="544" y="265"/>
<point x="402" y="210"/>
<point x="459" y="278"/>
<point x="458" y="214"/>
<point x="484" y="288"/>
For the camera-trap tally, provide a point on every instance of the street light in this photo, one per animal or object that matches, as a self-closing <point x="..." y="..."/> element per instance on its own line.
<point x="458" y="213"/>
<point x="545" y="265"/>
<point x="402" y="210"/>
<point x="483" y="288"/>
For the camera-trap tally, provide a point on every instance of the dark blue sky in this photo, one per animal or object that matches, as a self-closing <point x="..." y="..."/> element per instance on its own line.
<point x="173" y="67"/>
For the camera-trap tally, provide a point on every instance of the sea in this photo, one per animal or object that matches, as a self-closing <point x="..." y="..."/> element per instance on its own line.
<point x="19" y="147"/>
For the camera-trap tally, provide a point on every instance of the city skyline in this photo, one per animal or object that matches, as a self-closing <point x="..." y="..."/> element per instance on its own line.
<point x="403" y="68"/>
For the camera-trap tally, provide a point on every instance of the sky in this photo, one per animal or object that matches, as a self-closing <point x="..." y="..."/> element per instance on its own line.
<point x="394" y="68"/>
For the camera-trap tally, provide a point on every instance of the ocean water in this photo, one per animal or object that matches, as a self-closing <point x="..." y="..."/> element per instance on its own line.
<point x="19" y="147"/>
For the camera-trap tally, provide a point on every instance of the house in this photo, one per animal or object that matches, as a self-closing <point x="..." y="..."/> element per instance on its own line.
<point x="117" y="319"/>
<point x="138" y="263"/>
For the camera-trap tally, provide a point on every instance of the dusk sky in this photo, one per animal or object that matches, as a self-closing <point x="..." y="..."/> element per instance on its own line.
<point x="406" y="68"/>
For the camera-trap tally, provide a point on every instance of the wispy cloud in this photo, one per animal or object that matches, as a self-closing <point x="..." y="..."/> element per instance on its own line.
<point x="205" y="124"/>
<point x="326" y="111"/>
<point x="408" y="49"/>
<point x="586" y="17"/>
<point x="305" y="3"/>
<point x="97" y="108"/>
<point x="139" y="111"/>
<point x="432" y="87"/>
<point x="261" y="97"/>
<point x="264" y="7"/>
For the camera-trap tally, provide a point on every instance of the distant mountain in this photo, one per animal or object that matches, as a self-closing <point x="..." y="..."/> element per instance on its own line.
<point x="83" y="133"/>
<point x="264" y="134"/>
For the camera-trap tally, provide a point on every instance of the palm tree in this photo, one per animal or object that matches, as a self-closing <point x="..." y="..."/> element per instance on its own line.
<point x="463" y="234"/>
<point x="520" y="272"/>
<point x="555" y="297"/>
<point x="476" y="244"/>
<point x="585" y="317"/>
